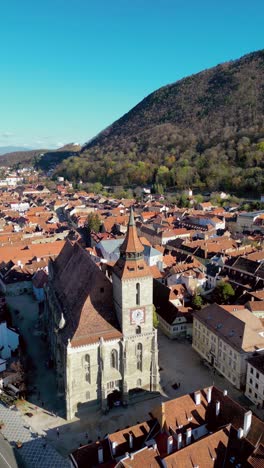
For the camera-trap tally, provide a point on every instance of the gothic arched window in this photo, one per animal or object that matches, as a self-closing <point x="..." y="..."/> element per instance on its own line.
<point x="139" y="383"/>
<point x="138" y="330"/>
<point x="139" y="356"/>
<point x="138" y="294"/>
<point x="87" y="366"/>
<point x="114" y="359"/>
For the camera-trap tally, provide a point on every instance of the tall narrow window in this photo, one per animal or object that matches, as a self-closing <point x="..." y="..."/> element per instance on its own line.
<point x="87" y="366"/>
<point x="139" y="356"/>
<point x="114" y="359"/>
<point x="138" y="294"/>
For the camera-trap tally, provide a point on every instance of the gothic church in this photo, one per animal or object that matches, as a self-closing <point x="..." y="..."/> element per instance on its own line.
<point x="100" y="330"/>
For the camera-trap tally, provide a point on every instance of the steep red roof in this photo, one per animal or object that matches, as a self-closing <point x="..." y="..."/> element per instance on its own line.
<point x="131" y="243"/>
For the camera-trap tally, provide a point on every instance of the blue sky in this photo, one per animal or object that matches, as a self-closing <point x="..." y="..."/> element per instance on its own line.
<point x="69" y="68"/>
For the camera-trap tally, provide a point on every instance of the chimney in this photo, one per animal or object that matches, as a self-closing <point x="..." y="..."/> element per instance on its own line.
<point x="100" y="455"/>
<point x="247" y="422"/>
<point x="209" y="394"/>
<point x="114" y="445"/>
<point x="169" y="444"/>
<point x="188" y="436"/>
<point x="240" y="433"/>
<point x="197" y="397"/>
<point x="130" y="440"/>
<point x="163" y="418"/>
<point x="217" y="408"/>
<point x="179" y="441"/>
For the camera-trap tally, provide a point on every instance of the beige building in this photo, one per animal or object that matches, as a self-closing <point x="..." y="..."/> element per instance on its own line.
<point x="255" y="380"/>
<point x="100" y="328"/>
<point x="226" y="336"/>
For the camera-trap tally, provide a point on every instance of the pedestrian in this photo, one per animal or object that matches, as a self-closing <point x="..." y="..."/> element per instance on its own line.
<point x="58" y="432"/>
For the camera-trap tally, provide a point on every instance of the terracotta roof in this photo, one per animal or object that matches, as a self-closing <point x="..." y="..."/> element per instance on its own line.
<point x="256" y="306"/>
<point x="239" y="327"/>
<point x="131" y="268"/>
<point x="206" y="453"/>
<point x="86" y="297"/>
<point x="131" y="243"/>
<point x="146" y="457"/>
<point x="256" y="460"/>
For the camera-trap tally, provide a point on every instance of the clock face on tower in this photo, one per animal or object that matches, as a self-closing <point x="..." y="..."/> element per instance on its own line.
<point x="137" y="316"/>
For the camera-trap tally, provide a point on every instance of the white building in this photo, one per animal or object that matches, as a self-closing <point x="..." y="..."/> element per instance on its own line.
<point x="255" y="380"/>
<point x="9" y="341"/>
<point x="226" y="336"/>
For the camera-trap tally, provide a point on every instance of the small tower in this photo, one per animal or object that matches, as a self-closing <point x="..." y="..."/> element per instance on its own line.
<point x="133" y="285"/>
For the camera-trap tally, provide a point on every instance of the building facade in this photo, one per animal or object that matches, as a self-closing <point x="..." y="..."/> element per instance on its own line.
<point x="99" y="330"/>
<point x="255" y="380"/>
<point x="226" y="336"/>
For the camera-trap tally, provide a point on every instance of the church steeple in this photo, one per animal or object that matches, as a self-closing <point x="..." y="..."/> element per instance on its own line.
<point x="131" y="249"/>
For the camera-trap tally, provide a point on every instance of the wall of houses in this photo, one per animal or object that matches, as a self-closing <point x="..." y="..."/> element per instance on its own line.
<point x="255" y="385"/>
<point x="180" y="328"/>
<point x="222" y="356"/>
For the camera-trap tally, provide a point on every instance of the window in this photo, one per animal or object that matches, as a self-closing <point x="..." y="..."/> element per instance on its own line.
<point x="220" y="353"/>
<point x="87" y="366"/>
<point x="256" y="385"/>
<point x="251" y="370"/>
<point x="257" y="375"/>
<point x="114" y="359"/>
<point x="250" y="381"/>
<point x="249" y="390"/>
<point x="139" y="383"/>
<point x="138" y="294"/>
<point x="87" y="377"/>
<point x="139" y="356"/>
<point x="256" y="396"/>
<point x="138" y="330"/>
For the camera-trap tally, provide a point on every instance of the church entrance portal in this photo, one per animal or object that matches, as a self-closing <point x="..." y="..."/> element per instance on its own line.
<point x="114" y="399"/>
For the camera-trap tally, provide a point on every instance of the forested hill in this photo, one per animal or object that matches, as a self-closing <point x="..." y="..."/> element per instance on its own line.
<point x="206" y="130"/>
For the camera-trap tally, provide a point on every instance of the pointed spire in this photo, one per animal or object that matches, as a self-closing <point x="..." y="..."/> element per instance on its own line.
<point x="131" y="217"/>
<point x="131" y="244"/>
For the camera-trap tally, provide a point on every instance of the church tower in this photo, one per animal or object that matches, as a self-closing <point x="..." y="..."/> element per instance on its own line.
<point x="133" y="286"/>
<point x="133" y="300"/>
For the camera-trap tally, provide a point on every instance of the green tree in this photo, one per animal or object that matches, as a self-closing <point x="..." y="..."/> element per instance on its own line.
<point x="223" y="292"/>
<point x="93" y="222"/>
<point x="197" y="301"/>
<point x="155" y="318"/>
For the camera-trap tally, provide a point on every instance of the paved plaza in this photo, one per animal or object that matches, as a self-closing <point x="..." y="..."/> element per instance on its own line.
<point x="179" y="363"/>
<point x="35" y="450"/>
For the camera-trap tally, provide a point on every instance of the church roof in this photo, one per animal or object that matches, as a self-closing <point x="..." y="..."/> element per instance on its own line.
<point x="131" y="243"/>
<point x="86" y="298"/>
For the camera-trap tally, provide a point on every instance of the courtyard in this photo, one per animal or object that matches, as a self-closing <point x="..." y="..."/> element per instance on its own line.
<point x="179" y="364"/>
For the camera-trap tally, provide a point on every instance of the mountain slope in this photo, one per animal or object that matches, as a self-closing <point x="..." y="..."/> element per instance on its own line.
<point x="205" y="130"/>
<point x="39" y="158"/>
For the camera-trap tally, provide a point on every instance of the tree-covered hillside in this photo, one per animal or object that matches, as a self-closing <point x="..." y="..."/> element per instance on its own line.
<point x="206" y="130"/>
